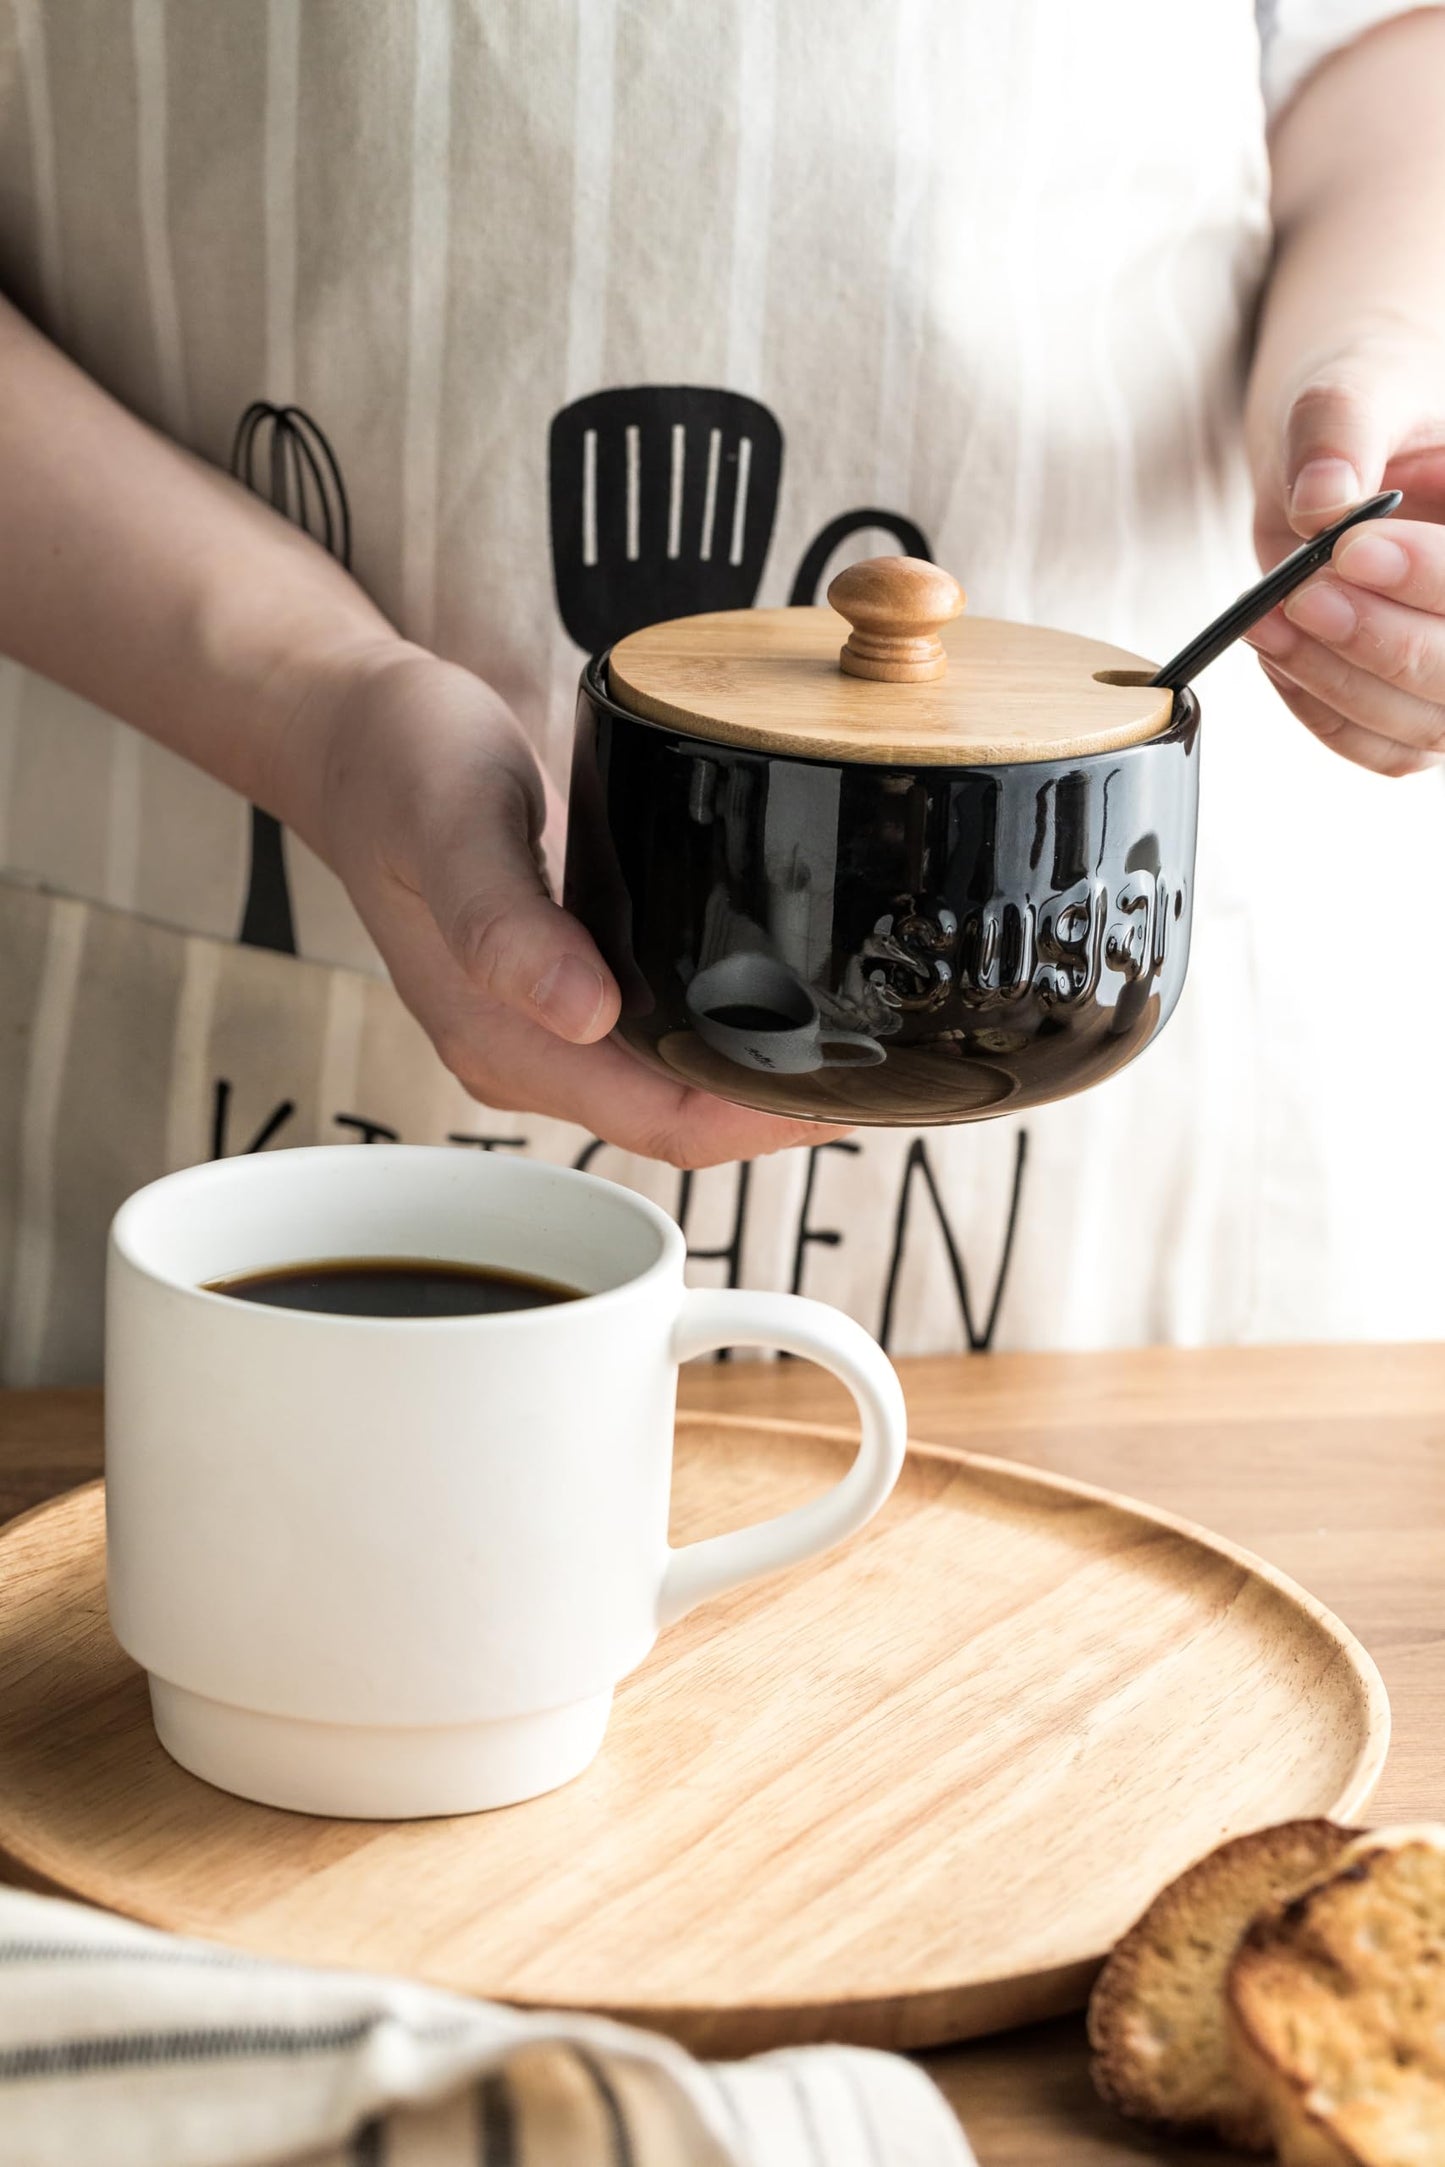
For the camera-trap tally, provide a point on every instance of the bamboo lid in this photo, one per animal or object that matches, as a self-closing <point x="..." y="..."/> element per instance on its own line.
<point x="912" y="682"/>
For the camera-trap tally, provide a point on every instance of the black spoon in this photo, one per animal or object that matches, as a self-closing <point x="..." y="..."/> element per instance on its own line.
<point x="1259" y="600"/>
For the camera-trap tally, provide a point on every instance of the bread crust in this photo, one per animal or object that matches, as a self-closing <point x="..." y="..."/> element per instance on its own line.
<point x="1294" y="2138"/>
<point x="1336" y="2008"/>
<point x="1160" y="2047"/>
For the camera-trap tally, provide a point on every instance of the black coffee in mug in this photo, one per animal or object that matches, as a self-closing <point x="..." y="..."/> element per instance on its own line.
<point x="745" y="1016"/>
<point x="394" y="1287"/>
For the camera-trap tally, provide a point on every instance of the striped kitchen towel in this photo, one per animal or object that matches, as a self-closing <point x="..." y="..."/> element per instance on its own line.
<point x="121" y="2047"/>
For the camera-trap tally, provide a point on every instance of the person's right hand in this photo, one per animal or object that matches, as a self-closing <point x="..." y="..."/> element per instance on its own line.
<point x="416" y="784"/>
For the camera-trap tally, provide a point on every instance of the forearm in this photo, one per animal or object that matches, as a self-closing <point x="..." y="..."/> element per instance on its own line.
<point x="146" y="581"/>
<point x="1358" y="164"/>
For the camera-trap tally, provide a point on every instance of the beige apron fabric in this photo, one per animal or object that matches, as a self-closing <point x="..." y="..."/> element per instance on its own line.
<point x="989" y="268"/>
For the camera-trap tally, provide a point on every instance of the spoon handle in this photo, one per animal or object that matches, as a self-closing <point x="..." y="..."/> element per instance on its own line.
<point x="1259" y="600"/>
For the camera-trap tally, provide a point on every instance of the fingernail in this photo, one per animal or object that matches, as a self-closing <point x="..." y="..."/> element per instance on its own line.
<point x="568" y="997"/>
<point x="1324" y="611"/>
<point x="1324" y="485"/>
<point x="1272" y="636"/>
<point x="1372" y="561"/>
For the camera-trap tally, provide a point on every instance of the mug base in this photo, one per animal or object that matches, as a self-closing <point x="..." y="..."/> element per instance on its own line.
<point x="352" y="1772"/>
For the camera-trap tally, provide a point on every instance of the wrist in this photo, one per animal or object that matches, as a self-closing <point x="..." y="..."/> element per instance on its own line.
<point x="383" y="745"/>
<point x="310" y="700"/>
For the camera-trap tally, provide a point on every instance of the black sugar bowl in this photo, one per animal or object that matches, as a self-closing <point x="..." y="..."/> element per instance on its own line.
<point x="926" y="869"/>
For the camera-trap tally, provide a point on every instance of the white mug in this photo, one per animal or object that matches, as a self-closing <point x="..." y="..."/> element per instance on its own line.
<point x="796" y="1044"/>
<point x="383" y="1567"/>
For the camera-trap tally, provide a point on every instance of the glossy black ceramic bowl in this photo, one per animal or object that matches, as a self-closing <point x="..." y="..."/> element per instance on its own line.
<point x="850" y="941"/>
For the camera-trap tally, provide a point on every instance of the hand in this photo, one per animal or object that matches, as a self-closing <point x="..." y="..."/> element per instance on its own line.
<point x="1358" y="653"/>
<point x="416" y="784"/>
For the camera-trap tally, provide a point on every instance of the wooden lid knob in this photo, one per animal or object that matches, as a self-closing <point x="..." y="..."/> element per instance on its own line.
<point x="897" y="606"/>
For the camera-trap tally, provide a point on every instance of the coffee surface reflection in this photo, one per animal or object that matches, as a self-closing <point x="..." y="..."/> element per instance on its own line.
<point x="740" y="1016"/>
<point x="394" y="1287"/>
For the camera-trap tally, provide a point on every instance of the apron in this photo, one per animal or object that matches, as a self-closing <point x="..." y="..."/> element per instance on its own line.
<point x="982" y="277"/>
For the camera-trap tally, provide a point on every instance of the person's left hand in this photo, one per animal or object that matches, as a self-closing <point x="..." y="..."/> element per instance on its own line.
<point x="1358" y="653"/>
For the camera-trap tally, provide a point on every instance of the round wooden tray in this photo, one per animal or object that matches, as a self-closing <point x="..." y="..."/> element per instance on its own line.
<point x="907" y="1794"/>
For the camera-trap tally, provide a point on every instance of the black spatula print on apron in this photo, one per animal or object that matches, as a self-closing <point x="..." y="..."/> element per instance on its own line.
<point x="282" y="455"/>
<point x="663" y="498"/>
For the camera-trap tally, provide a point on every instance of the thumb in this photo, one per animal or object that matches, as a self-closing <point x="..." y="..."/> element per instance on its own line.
<point x="1339" y="434"/>
<point x="485" y="890"/>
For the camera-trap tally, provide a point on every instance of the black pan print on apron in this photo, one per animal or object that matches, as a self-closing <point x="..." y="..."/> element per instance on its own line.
<point x="282" y="455"/>
<point x="663" y="498"/>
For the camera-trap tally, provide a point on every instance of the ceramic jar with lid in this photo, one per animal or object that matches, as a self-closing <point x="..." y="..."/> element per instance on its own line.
<point x="884" y="862"/>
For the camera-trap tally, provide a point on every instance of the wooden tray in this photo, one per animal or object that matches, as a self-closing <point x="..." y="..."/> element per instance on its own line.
<point x="906" y="1794"/>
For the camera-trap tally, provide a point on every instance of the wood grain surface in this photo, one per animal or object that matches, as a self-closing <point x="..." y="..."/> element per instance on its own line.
<point x="781" y="1838"/>
<point x="770" y="679"/>
<point x="1328" y="1460"/>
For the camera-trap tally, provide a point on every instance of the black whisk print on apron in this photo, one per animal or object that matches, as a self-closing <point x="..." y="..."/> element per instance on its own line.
<point x="281" y="454"/>
<point x="663" y="498"/>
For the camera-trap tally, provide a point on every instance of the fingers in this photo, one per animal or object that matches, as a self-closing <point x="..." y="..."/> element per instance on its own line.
<point x="1359" y="653"/>
<point x="1359" y="716"/>
<point x="1369" y="675"/>
<point x="1365" y="748"/>
<point x="1401" y="558"/>
<point x="1379" y="662"/>
<point x="1415" y="726"/>
<point x="1339" y="433"/>
<point x="483" y="885"/>
<point x="436" y="806"/>
<point x="512" y="1062"/>
<point x="1386" y="663"/>
<point x="608" y="1090"/>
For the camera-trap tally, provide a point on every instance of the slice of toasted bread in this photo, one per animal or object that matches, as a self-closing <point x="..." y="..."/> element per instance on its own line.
<point x="1156" y="2019"/>
<point x="1337" y="2008"/>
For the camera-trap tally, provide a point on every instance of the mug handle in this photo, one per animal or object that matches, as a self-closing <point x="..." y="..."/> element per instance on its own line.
<point x="875" y="1053"/>
<point x="714" y="1317"/>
